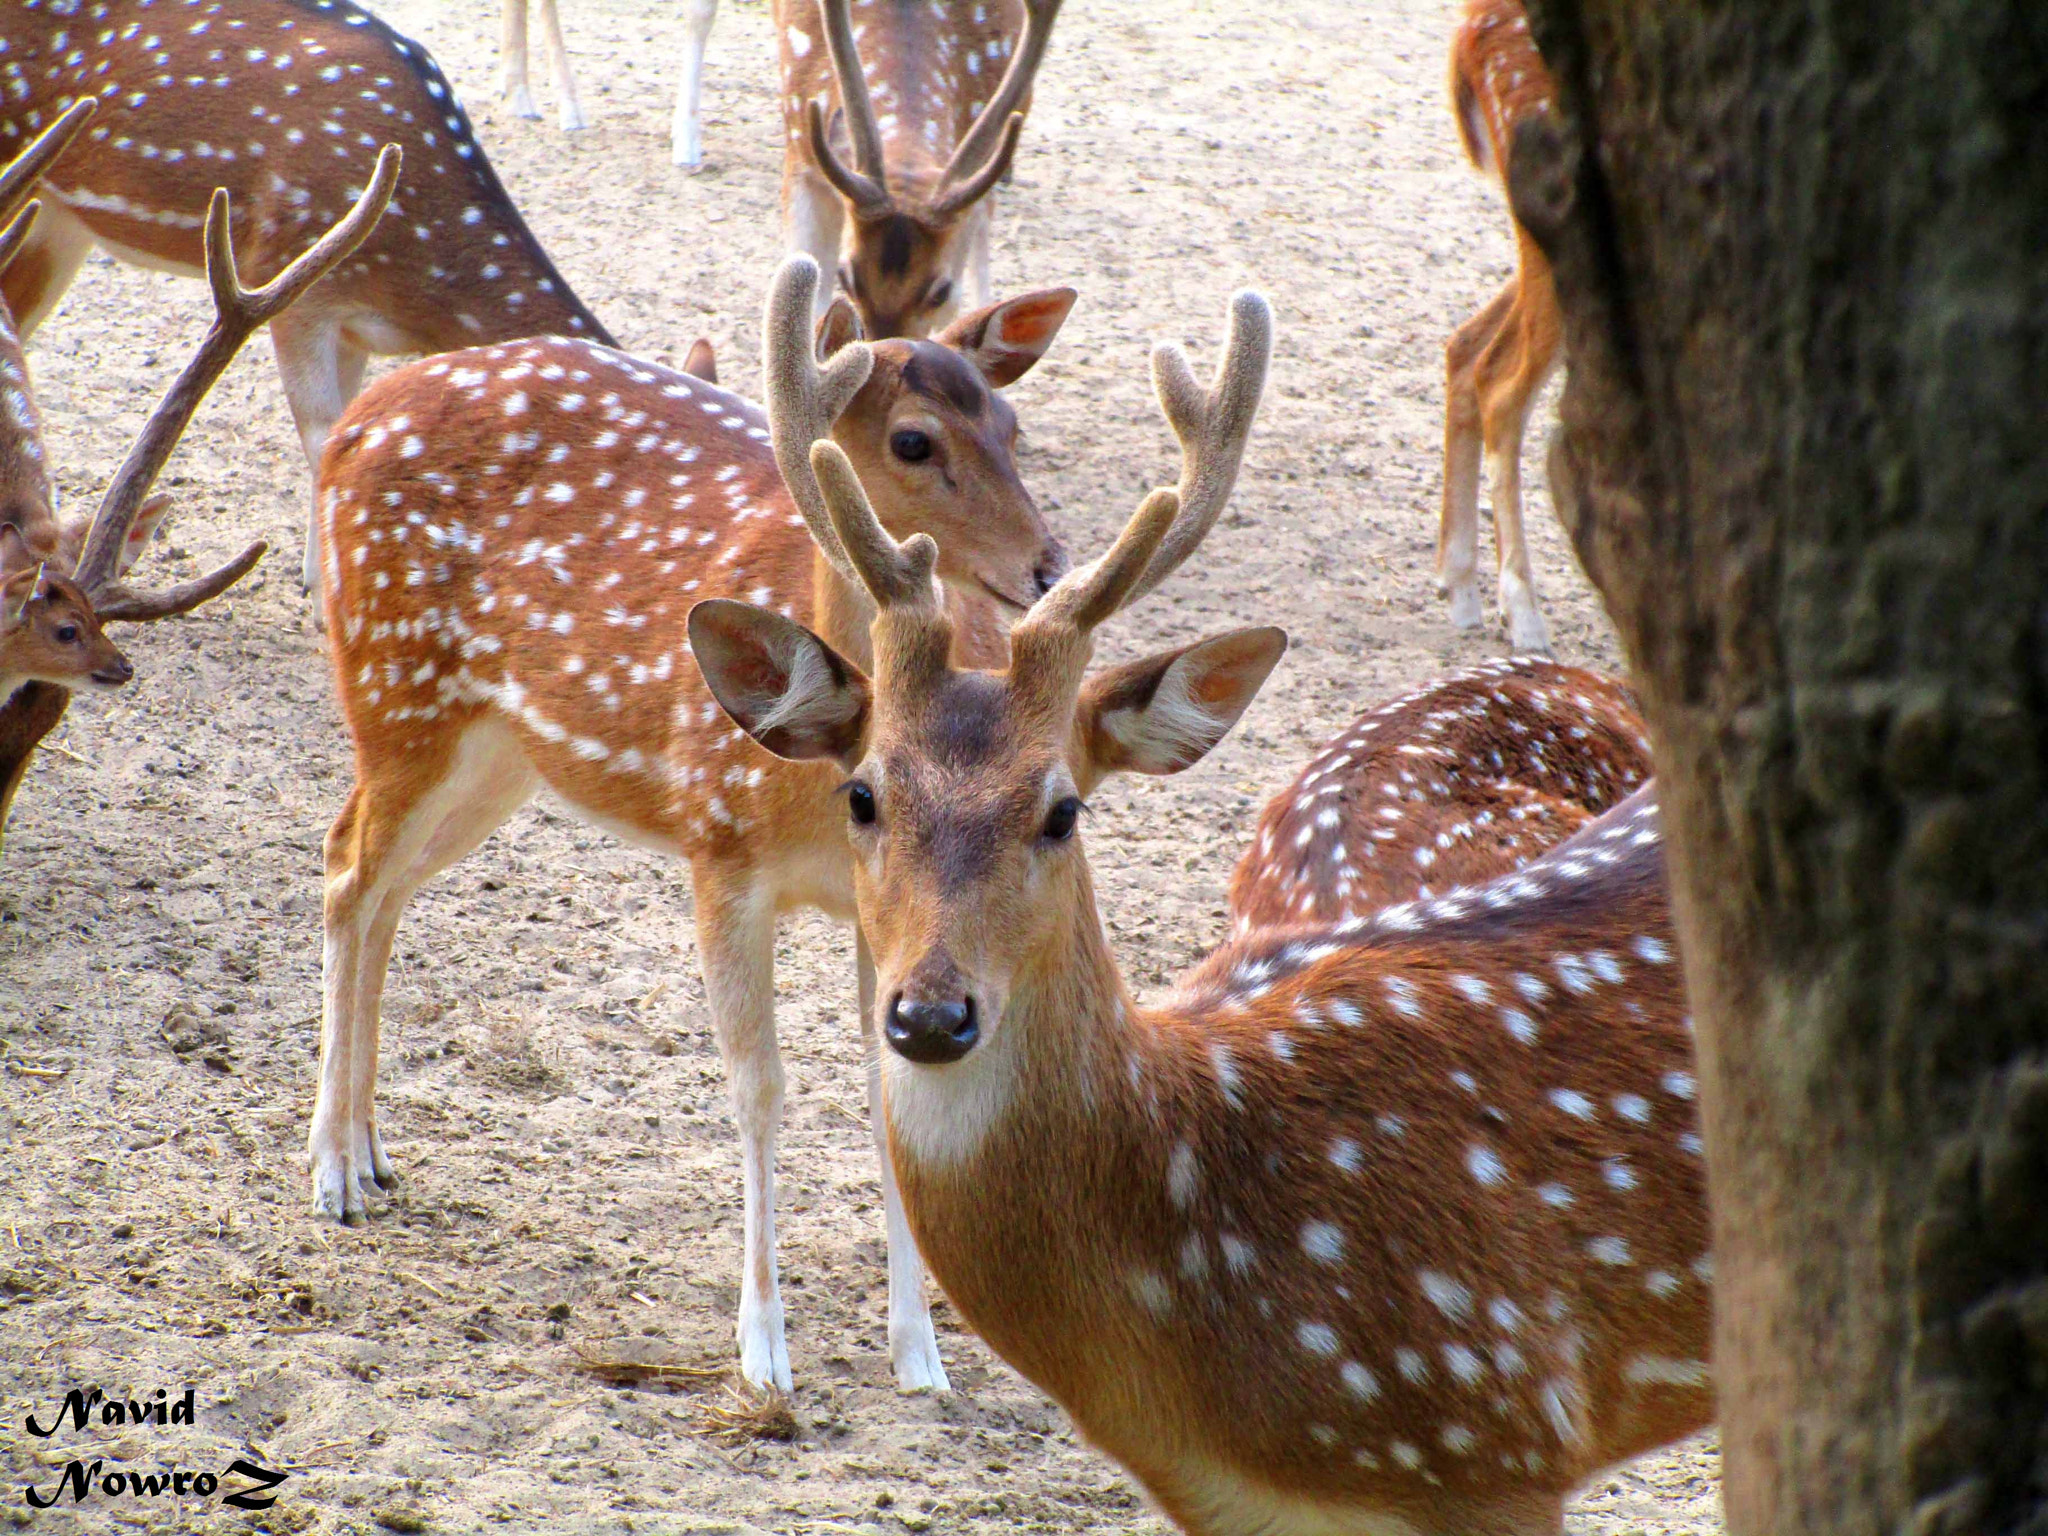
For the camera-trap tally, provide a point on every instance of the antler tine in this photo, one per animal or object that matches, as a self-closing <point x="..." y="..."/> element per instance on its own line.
<point x="115" y="601"/>
<point x="1212" y="425"/>
<point x="983" y="138"/>
<point x="957" y="195"/>
<point x="1084" y="598"/>
<point x="861" y="128"/>
<point x="867" y="195"/>
<point x="896" y="575"/>
<point x="239" y="313"/>
<point x="805" y="397"/>
<point x="18" y="180"/>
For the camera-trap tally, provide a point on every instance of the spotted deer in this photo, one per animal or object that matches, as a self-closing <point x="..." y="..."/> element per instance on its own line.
<point x="284" y="103"/>
<point x="1392" y="1224"/>
<point x="519" y="532"/>
<point x="889" y="187"/>
<point x="686" y="137"/>
<point x="78" y="567"/>
<point x="1449" y="785"/>
<point x="1497" y="362"/>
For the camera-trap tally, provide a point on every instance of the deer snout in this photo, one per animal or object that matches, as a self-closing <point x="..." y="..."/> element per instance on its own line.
<point x="1052" y="565"/>
<point x="114" y="673"/>
<point x="933" y="1032"/>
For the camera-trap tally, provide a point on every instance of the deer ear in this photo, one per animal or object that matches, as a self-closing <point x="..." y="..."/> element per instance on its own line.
<point x="147" y="521"/>
<point x="702" y="361"/>
<point x="780" y="683"/>
<point x="839" y="325"/>
<point x="1005" y="339"/>
<point x="16" y="593"/>
<point x="1165" y="713"/>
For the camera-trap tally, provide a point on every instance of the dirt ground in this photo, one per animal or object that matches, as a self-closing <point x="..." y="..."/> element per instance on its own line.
<point x="549" y="1085"/>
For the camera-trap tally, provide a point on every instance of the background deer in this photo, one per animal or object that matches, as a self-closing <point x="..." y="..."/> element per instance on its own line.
<point x="1392" y="1224"/>
<point x="890" y="189"/>
<point x="1497" y="361"/>
<point x="285" y="105"/>
<point x="519" y="531"/>
<point x="49" y="634"/>
<point x="686" y="140"/>
<point x="1450" y="785"/>
<point x="95" y="555"/>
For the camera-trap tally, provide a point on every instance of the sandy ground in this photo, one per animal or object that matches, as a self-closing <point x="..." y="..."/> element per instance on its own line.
<point x="549" y="1083"/>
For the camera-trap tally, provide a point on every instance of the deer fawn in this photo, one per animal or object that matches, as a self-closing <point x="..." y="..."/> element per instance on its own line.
<point x="519" y="531"/>
<point x="1498" y="360"/>
<point x="1393" y="1224"/>
<point x="1450" y="785"/>
<point x="283" y="103"/>
<point x="52" y="634"/>
<point x="929" y="129"/>
<point x="686" y="139"/>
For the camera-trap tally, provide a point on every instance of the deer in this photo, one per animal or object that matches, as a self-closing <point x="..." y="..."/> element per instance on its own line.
<point x="686" y="136"/>
<point x="890" y="188"/>
<point x="1449" y="785"/>
<point x="286" y="105"/>
<point x="100" y="551"/>
<point x="1497" y="362"/>
<point x="518" y="531"/>
<point x="1396" y="1223"/>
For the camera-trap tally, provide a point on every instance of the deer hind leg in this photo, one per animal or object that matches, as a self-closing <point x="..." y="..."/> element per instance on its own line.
<point x="44" y="266"/>
<point x="393" y="835"/>
<point x="1457" y="539"/>
<point x="686" y="140"/>
<point x="513" y="84"/>
<point x="736" y="945"/>
<point x="813" y="218"/>
<point x="321" y="369"/>
<point x="568" y="109"/>
<point x="913" y="1346"/>
<point x="1512" y="374"/>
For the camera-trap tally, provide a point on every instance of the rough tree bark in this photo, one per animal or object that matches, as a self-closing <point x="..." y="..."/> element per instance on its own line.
<point x="1802" y="251"/>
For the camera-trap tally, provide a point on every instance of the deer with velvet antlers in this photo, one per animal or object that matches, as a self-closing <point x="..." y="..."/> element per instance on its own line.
<point x="1393" y="1224"/>
<point x="1496" y="363"/>
<point x="890" y="188"/>
<point x="285" y="104"/>
<point x="67" y="577"/>
<point x="519" y="531"/>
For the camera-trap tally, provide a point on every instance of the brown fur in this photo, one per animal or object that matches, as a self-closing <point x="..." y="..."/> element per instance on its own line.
<point x="1455" y="783"/>
<point x="1496" y="362"/>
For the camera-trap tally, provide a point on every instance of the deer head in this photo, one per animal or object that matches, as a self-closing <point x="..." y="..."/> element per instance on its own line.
<point x="903" y="249"/>
<point x="49" y="634"/>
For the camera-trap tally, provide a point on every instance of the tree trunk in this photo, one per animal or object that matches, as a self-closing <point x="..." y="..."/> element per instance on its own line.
<point x="1802" y="252"/>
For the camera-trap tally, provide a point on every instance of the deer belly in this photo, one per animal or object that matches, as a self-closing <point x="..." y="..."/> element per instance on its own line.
<point x="1210" y="1497"/>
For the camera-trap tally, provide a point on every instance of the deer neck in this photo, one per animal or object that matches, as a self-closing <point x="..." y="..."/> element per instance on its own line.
<point x="1044" y="1122"/>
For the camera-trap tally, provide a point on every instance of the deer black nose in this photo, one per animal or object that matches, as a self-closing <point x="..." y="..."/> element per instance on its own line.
<point x="931" y="1034"/>
<point x="115" y="672"/>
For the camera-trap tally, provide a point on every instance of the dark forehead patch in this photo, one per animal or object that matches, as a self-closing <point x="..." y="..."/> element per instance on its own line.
<point x="966" y="721"/>
<point x="941" y="374"/>
<point x="899" y="240"/>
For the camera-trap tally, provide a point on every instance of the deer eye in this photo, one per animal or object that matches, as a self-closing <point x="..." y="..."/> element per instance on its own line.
<point x="910" y="445"/>
<point x="935" y="297"/>
<point x="860" y="804"/>
<point x="66" y="633"/>
<point x="1059" y="821"/>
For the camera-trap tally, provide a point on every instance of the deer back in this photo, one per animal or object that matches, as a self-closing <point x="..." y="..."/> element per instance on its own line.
<point x="1449" y="785"/>
<point x="286" y="103"/>
<point x="1497" y="79"/>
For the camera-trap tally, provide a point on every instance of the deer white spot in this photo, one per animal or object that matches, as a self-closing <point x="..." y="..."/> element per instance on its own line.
<point x="1405" y="1454"/>
<point x="1317" y="1338"/>
<point x="1618" y="1174"/>
<point x="1574" y="1104"/>
<point x="1448" y="1296"/>
<point x="1238" y="1255"/>
<point x="1151" y="1292"/>
<point x="1485" y="1165"/>
<point x="1457" y="1439"/>
<point x="1661" y="1370"/>
<point x="1345" y="1153"/>
<point x="1183" y="1176"/>
<point x="1632" y="1106"/>
<point x="1411" y="1365"/>
<point x="1358" y="1381"/>
<point x="1609" y="1250"/>
<point x="1519" y="1025"/>
<point x="1654" y="951"/>
<point x="1473" y="988"/>
<point x="1506" y="1316"/>
<point x="1554" y="1194"/>
<point x="515" y="403"/>
<point x="1679" y="1084"/>
<point x="1660" y="1282"/>
<point x="1322" y="1242"/>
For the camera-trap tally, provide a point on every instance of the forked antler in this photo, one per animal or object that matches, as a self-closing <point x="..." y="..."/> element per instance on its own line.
<point x="804" y="398"/>
<point x="865" y="183"/>
<point x="1212" y="425"/>
<point x="983" y="153"/>
<point x="238" y="313"/>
